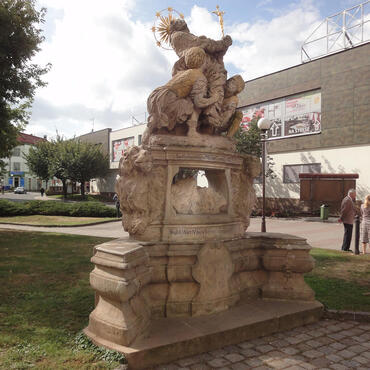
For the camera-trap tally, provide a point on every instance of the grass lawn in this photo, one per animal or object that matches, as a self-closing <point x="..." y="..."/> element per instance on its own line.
<point x="41" y="220"/>
<point x="45" y="301"/>
<point x="88" y="197"/>
<point x="340" y="280"/>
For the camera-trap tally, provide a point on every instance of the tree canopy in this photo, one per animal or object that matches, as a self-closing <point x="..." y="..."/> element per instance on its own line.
<point x="67" y="160"/>
<point x="20" y="39"/>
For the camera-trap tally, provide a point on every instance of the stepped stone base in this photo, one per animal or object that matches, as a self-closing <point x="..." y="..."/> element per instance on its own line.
<point x="173" y="338"/>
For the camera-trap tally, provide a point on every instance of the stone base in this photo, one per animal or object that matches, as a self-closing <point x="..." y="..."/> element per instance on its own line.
<point x="173" y="338"/>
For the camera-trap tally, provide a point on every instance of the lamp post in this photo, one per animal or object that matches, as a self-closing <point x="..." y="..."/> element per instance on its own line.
<point x="264" y="125"/>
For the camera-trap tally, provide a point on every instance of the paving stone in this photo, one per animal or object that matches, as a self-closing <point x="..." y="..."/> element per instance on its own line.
<point x="307" y="365"/>
<point x="246" y="345"/>
<point x="347" y="341"/>
<point x="280" y="343"/>
<point x="218" y="362"/>
<point x="253" y="362"/>
<point x="362" y="360"/>
<point x="168" y="367"/>
<point x="325" y="340"/>
<point x="264" y="367"/>
<point x="345" y="325"/>
<point x="269" y="338"/>
<point x="366" y="354"/>
<point x="279" y="364"/>
<point x="200" y="367"/>
<point x="333" y="328"/>
<point x="218" y="353"/>
<point x="338" y="367"/>
<point x="234" y="357"/>
<point x="334" y="358"/>
<point x="249" y="352"/>
<point x="203" y="357"/>
<point x="320" y="362"/>
<point x="240" y="366"/>
<point x="312" y="353"/>
<point x="231" y="349"/>
<point x="187" y="361"/>
<point x="351" y="364"/>
<point x="337" y="345"/>
<point x="357" y="348"/>
<point x="303" y="347"/>
<point x="365" y="327"/>
<point x="264" y="348"/>
<point x="295" y="367"/>
<point x="336" y="336"/>
<point x="346" y="354"/>
<point x="314" y="333"/>
<point x="290" y="350"/>
<point x="313" y="343"/>
<point x="327" y="350"/>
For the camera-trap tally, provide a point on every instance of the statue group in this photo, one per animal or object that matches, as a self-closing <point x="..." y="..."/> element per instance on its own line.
<point x="188" y="254"/>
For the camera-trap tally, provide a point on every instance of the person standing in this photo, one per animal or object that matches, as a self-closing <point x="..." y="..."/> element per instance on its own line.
<point x="365" y="223"/>
<point x="118" y="205"/>
<point x="42" y="191"/>
<point x="347" y="216"/>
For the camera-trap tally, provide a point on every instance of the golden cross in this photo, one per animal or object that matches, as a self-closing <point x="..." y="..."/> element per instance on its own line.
<point x="220" y="18"/>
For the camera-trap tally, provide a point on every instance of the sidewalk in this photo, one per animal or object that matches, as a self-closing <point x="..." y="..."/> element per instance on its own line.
<point x="327" y="235"/>
<point x="327" y="344"/>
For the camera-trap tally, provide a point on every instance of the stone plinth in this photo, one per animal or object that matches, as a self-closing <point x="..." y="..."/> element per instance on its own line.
<point x="160" y="199"/>
<point x="138" y="282"/>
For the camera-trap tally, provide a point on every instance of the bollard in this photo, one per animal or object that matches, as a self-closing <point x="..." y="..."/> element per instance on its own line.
<point x="357" y="234"/>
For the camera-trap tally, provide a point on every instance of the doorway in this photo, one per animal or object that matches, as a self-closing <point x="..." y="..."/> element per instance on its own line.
<point x="16" y="182"/>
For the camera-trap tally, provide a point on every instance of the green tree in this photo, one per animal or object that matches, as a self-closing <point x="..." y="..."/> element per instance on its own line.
<point x="248" y="141"/>
<point x="38" y="160"/>
<point x="88" y="162"/>
<point x="20" y="39"/>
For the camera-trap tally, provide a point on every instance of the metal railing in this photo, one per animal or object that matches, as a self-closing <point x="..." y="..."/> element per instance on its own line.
<point x="341" y="31"/>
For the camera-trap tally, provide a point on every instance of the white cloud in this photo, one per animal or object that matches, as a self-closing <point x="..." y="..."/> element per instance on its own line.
<point x="265" y="47"/>
<point x="104" y="66"/>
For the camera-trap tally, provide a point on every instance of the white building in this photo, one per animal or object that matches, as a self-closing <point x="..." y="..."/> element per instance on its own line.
<point x="18" y="173"/>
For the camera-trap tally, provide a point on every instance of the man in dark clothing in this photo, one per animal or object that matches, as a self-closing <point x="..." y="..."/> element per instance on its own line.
<point x="347" y="216"/>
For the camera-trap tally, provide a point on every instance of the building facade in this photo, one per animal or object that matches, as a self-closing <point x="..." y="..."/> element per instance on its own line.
<point x="114" y="143"/>
<point x="18" y="173"/>
<point x="320" y="114"/>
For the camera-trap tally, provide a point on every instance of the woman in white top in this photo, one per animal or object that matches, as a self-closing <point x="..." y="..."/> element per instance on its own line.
<point x="365" y="223"/>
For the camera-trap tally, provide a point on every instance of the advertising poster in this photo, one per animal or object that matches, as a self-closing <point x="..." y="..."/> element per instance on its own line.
<point x="120" y="146"/>
<point x="291" y="116"/>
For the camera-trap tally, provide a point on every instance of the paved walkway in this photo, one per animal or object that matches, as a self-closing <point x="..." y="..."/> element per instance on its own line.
<point x="327" y="235"/>
<point x="328" y="344"/>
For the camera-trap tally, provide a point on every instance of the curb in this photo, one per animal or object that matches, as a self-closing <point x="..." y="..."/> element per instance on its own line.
<point x="346" y="315"/>
<point x="61" y="226"/>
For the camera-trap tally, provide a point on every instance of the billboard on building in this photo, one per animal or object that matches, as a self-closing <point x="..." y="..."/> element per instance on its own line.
<point x="120" y="146"/>
<point x="290" y="116"/>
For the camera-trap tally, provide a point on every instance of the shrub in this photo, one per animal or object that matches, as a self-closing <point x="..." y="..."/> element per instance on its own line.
<point x="55" y="208"/>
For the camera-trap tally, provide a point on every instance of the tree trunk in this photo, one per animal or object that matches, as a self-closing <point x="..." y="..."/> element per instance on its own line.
<point x="64" y="182"/>
<point x="83" y="189"/>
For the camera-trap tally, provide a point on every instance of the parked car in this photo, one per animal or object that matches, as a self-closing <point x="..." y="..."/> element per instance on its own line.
<point x="20" y="190"/>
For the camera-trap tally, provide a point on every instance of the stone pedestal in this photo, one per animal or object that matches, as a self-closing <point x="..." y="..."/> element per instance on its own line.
<point x="138" y="283"/>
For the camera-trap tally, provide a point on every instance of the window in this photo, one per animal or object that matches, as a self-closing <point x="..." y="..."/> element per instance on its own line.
<point x="139" y="139"/>
<point x="16" y="152"/>
<point x="16" y="166"/>
<point x="291" y="172"/>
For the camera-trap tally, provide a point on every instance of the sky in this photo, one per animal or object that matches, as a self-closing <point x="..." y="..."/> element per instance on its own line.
<point x="105" y="61"/>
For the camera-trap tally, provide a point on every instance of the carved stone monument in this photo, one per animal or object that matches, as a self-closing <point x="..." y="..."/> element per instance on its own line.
<point x="189" y="256"/>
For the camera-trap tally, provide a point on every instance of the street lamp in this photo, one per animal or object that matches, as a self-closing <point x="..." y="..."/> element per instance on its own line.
<point x="264" y="125"/>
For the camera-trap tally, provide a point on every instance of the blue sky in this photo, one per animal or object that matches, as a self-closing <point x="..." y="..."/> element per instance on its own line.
<point x="105" y="61"/>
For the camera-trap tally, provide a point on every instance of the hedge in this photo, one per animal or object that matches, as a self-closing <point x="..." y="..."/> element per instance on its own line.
<point x="55" y="208"/>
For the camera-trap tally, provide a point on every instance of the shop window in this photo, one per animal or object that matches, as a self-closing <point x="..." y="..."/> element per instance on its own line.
<point x="16" y="166"/>
<point x="291" y="172"/>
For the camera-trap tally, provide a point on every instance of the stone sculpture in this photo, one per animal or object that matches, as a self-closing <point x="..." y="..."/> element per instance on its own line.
<point x="188" y="254"/>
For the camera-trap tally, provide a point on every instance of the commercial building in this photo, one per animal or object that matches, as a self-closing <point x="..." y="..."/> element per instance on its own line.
<point x="320" y="113"/>
<point x="114" y="143"/>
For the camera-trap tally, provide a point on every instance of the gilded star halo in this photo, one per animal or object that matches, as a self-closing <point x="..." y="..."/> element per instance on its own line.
<point x="161" y="26"/>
